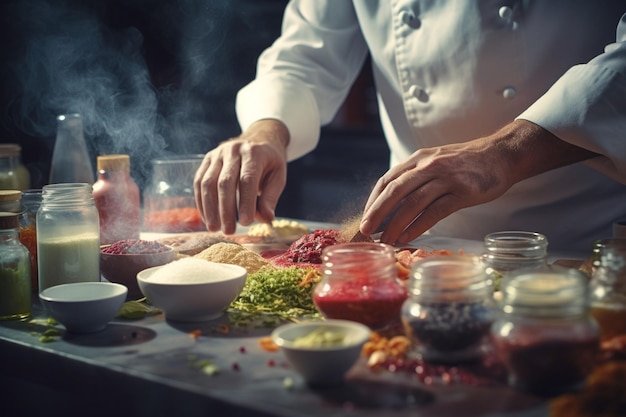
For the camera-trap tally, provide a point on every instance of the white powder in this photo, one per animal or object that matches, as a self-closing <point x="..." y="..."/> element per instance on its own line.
<point x="193" y="270"/>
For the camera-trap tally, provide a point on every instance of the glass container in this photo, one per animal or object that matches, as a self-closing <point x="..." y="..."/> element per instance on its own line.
<point x="11" y="201"/>
<point x="116" y="196"/>
<point x="68" y="235"/>
<point x="545" y="335"/>
<point x="169" y="203"/>
<point x="512" y="250"/>
<point x="608" y="291"/>
<point x="31" y="200"/>
<point x="71" y="162"/>
<point x="359" y="283"/>
<point x="592" y="263"/>
<point x="450" y="309"/>
<point x="15" y="289"/>
<point x="13" y="174"/>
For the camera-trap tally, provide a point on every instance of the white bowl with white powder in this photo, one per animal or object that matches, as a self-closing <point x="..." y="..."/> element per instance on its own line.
<point x="192" y="289"/>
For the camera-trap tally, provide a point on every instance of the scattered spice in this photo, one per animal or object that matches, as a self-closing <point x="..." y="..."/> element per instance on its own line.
<point x="135" y="246"/>
<point x="195" y="334"/>
<point x="234" y="254"/>
<point x="273" y="294"/>
<point x="268" y="345"/>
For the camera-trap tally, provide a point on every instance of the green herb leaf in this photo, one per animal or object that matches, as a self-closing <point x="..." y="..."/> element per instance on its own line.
<point x="137" y="309"/>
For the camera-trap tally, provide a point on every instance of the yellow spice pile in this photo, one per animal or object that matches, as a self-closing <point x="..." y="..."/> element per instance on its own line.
<point x="234" y="254"/>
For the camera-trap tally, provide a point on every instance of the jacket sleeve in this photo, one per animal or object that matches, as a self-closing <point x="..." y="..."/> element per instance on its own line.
<point x="305" y="75"/>
<point x="587" y="107"/>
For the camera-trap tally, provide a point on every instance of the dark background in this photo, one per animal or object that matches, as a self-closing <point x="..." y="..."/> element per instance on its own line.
<point x="158" y="78"/>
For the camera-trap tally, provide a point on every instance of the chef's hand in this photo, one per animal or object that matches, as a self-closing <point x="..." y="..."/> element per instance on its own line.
<point x="435" y="182"/>
<point x="242" y="178"/>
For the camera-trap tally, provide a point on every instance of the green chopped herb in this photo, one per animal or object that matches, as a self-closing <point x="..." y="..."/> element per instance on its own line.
<point x="273" y="295"/>
<point x="47" y="339"/>
<point x="52" y="332"/>
<point x="137" y="309"/>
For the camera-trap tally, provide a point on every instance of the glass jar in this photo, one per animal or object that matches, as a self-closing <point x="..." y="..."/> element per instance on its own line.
<point x="608" y="291"/>
<point x="11" y="201"/>
<point x="512" y="250"/>
<point x="169" y="202"/>
<point x="449" y="311"/>
<point x="545" y="335"/>
<point x="31" y="200"/>
<point x="15" y="290"/>
<point x="13" y="174"/>
<point x="116" y="196"/>
<point x="592" y="263"/>
<point x="68" y="235"/>
<point x="359" y="283"/>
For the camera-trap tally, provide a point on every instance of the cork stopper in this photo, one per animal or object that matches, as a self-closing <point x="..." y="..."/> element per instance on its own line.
<point x="10" y="195"/>
<point x="119" y="162"/>
<point x="10" y="149"/>
<point x="9" y="220"/>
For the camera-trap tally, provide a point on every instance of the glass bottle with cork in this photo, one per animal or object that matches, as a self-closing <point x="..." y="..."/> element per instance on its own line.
<point x="545" y="334"/>
<point x="15" y="288"/>
<point x="13" y="173"/>
<point x="68" y="235"/>
<point x="11" y="201"/>
<point x="116" y="196"/>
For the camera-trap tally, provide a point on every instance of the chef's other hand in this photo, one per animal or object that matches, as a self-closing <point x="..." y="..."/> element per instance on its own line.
<point x="242" y="178"/>
<point x="435" y="182"/>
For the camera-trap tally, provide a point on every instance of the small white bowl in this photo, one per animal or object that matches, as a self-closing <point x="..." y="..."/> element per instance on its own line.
<point x="322" y="365"/>
<point x="84" y="307"/>
<point x="202" y="300"/>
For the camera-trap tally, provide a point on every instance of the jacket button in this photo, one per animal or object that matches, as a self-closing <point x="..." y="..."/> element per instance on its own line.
<point x="509" y="92"/>
<point x="410" y="20"/>
<point x="419" y="93"/>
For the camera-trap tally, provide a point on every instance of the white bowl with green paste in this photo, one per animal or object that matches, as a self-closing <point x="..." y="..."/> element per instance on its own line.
<point x="322" y="352"/>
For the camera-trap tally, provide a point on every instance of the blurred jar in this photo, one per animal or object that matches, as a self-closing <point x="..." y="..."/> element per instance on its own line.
<point x="71" y="162"/>
<point x="608" y="291"/>
<point x="68" y="235"/>
<point x="116" y="196"/>
<point x="359" y="283"/>
<point x="15" y="289"/>
<point x="13" y="174"/>
<point x="592" y="263"/>
<point x="169" y="203"/>
<point x="545" y="335"/>
<point x="512" y="250"/>
<point x="31" y="200"/>
<point x="450" y="310"/>
<point x="11" y="201"/>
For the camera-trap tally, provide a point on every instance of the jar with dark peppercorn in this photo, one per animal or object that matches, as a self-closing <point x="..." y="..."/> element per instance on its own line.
<point x="450" y="308"/>
<point x="545" y="335"/>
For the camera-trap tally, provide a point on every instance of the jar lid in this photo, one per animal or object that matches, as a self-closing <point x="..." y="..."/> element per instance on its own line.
<point x="10" y="149"/>
<point x="118" y="162"/>
<point x="10" y="195"/>
<point x="9" y="220"/>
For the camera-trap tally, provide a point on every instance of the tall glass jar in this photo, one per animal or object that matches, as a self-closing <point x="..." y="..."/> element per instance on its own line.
<point x="450" y="310"/>
<point x="15" y="290"/>
<point x="512" y="250"/>
<point x="608" y="291"/>
<point x="13" y="173"/>
<point x="117" y="199"/>
<point x="68" y="235"/>
<point x="169" y="202"/>
<point x="545" y="334"/>
<point x="359" y="283"/>
<point x="31" y="200"/>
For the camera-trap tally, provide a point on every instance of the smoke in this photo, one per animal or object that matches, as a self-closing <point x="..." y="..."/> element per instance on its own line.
<point x="146" y="100"/>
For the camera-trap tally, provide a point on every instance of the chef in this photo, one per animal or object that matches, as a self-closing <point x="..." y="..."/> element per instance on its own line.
<point x="500" y="115"/>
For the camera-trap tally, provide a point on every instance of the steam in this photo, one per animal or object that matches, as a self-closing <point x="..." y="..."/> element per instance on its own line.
<point x="74" y="61"/>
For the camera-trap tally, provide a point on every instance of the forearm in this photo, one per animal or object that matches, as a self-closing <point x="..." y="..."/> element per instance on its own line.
<point x="530" y="150"/>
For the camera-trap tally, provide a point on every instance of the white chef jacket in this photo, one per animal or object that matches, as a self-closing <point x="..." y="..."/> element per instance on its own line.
<point x="453" y="70"/>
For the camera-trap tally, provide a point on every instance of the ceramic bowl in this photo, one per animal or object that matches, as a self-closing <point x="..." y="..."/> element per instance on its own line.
<point x="123" y="268"/>
<point x="183" y="299"/>
<point x="325" y="364"/>
<point x="83" y="307"/>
